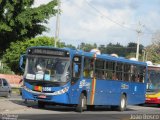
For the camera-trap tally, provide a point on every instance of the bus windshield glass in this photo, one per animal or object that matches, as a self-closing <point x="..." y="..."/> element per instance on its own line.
<point x="154" y="80"/>
<point x="41" y="68"/>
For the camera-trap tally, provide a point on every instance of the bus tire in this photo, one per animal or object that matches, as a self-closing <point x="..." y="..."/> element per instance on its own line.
<point x="82" y="105"/>
<point x="41" y="104"/>
<point x="123" y="103"/>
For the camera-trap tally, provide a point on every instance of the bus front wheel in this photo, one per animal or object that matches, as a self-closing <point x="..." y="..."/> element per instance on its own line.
<point x="41" y="104"/>
<point x="123" y="103"/>
<point x="82" y="105"/>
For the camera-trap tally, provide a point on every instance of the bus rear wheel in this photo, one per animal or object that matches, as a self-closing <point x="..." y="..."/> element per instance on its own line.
<point x="41" y="104"/>
<point x="82" y="105"/>
<point x="123" y="103"/>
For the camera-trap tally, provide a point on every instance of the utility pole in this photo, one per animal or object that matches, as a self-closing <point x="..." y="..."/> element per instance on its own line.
<point x="57" y="24"/>
<point x="144" y="55"/>
<point x="138" y="38"/>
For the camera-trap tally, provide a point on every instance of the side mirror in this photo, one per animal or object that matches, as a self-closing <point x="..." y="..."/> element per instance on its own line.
<point x="21" y="62"/>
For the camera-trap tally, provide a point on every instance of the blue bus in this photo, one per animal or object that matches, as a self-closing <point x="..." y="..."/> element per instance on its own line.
<point x="82" y="79"/>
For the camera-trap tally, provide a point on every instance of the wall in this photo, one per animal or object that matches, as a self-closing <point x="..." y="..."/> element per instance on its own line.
<point x="12" y="79"/>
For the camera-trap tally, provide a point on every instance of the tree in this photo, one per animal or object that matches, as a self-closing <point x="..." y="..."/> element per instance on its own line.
<point x="87" y="47"/>
<point x="115" y="48"/>
<point x="5" y="70"/>
<point x="12" y="55"/>
<point x="156" y="38"/>
<point x="132" y="47"/>
<point x="153" y="50"/>
<point x="102" y="48"/>
<point x="19" y="20"/>
<point x="70" y="46"/>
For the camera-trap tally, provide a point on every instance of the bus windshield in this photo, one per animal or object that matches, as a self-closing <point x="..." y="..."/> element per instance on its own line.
<point x="154" y="80"/>
<point x="41" y="68"/>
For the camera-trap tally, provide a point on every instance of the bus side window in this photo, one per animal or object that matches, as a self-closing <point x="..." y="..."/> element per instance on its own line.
<point x="142" y="74"/>
<point x="114" y="76"/>
<point x="133" y="71"/>
<point x="110" y="69"/>
<point x="88" y="68"/>
<point x="100" y="69"/>
<point x="119" y="71"/>
<point x="76" y="70"/>
<point x="76" y="67"/>
<point x="127" y="72"/>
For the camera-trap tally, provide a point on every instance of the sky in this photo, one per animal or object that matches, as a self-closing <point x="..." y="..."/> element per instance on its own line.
<point x="105" y="21"/>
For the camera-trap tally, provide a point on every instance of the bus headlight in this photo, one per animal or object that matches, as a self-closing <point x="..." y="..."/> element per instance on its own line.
<point x="62" y="91"/>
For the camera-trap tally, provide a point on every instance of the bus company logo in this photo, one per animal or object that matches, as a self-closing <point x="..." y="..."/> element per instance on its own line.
<point x="83" y="83"/>
<point x="124" y="86"/>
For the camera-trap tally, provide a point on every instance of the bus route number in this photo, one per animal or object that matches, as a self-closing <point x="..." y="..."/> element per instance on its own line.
<point x="46" y="89"/>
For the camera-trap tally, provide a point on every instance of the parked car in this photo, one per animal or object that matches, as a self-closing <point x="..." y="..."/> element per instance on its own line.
<point x="5" y="88"/>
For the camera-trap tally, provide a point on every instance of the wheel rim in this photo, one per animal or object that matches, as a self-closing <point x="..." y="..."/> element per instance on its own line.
<point x="123" y="103"/>
<point x="82" y="103"/>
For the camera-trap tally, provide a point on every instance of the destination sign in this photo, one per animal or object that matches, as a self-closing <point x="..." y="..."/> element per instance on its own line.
<point x="38" y="51"/>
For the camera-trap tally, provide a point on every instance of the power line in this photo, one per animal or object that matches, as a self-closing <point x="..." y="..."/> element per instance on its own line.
<point x="98" y="11"/>
<point x="121" y="25"/>
<point x="150" y="32"/>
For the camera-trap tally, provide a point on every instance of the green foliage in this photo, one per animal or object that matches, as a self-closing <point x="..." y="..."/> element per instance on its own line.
<point x="20" y="21"/>
<point x="153" y="53"/>
<point x="5" y="70"/>
<point x="153" y="50"/>
<point x="87" y="47"/>
<point x="132" y="47"/>
<point x="12" y="55"/>
<point x="116" y="48"/>
<point x="70" y="46"/>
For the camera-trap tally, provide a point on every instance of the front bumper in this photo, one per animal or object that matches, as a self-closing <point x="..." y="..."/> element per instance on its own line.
<point x="61" y="99"/>
<point x="152" y="100"/>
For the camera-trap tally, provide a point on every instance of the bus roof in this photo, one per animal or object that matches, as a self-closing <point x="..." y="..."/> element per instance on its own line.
<point x="154" y="67"/>
<point x="91" y="54"/>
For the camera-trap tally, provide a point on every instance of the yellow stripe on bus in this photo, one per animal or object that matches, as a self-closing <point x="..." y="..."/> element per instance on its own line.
<point x="93" y="91"/>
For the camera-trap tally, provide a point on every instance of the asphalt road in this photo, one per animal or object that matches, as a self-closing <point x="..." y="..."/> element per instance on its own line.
<point x="15" y="107"/>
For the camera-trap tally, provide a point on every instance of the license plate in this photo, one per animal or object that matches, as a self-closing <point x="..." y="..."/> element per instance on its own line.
<point x="46" y="89"/>
<point x="42" y="96"/>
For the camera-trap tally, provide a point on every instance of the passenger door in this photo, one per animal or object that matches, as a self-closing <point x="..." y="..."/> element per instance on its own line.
<point x="76" y="75"/>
